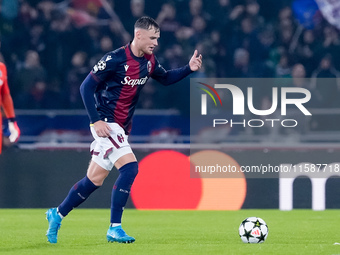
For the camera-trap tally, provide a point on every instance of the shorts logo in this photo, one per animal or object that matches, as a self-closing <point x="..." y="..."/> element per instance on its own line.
<point x="120" y="138"/>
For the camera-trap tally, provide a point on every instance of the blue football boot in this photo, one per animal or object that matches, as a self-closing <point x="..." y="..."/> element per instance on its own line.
<point x="117" y="234"/>
<point x="54" y="223"/>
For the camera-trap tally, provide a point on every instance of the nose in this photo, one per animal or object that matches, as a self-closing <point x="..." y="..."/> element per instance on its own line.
<point x="155" y="42"/>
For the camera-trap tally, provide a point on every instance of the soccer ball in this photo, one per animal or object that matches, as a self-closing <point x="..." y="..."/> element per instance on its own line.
<point x="253" y="230"/>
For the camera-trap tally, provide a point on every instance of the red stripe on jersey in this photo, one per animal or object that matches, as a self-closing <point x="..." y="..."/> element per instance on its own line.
<point x="94" y="77"/>
<point x="128" y="92"/>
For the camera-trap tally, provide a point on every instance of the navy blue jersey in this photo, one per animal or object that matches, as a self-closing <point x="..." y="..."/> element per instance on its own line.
<point x="120" y="77"/>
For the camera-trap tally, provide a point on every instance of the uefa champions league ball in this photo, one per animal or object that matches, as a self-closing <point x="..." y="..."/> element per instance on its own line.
<point x="253" y="230"/>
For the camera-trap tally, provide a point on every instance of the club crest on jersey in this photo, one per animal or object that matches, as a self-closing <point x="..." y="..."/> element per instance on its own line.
<point x="120" y="138"/>
<point x="149" y="66"/>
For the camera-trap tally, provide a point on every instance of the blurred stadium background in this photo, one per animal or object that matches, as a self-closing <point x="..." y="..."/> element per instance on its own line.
<point x="50" y="46"/>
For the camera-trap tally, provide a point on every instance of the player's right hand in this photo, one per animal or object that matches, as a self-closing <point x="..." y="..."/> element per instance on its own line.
<point x="195" y="62"/>
<point x="14" y="130"/>
<point x="102" y="128"/>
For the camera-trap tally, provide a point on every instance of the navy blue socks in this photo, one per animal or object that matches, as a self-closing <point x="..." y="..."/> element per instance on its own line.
<point x="78" y="194"/>
<point x="121" y="190"/>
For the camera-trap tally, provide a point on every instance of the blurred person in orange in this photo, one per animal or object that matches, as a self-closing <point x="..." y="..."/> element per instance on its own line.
<point x="6" y="104"/>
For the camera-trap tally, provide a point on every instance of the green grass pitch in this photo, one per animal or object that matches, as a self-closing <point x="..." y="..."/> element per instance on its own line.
<point x="22" y="231"/>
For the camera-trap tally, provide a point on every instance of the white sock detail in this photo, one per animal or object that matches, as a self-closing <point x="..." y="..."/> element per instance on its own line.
<point x="115" y="224"/>
<point x="61" y="216"/>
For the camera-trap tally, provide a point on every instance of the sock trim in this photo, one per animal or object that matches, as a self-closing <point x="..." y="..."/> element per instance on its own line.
<point x="115" y="224"/>
<point x="128" y="165"/>
<point x="61" y="216"/>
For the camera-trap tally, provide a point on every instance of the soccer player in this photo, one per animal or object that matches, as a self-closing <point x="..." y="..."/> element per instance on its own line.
<point x="110" y="94"/>
<point x="6" y="103"/>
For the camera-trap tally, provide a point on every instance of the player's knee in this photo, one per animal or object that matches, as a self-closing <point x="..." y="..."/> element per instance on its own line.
<point x="97" y="174"/>
<point x="134" y="170"/>
<point x="130" y="170"/>
<point x="97" y="182"/>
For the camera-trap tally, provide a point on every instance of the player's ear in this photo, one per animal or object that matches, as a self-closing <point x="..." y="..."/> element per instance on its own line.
<point x="138" y="33"/>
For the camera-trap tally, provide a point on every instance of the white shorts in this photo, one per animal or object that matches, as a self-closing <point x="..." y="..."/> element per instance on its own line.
<point x="107" y="150"/>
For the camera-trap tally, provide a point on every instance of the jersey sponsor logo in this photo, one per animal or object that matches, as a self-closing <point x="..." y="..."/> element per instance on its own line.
<point x="1" y="81"/>
<point x="133" y="82"/>
<point x="149" y="66"/>
<point x="108" y="58"/>
<point x="126" y="67"/>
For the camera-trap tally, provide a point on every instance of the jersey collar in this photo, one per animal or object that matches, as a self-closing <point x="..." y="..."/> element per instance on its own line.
<point x="132" y="55"/>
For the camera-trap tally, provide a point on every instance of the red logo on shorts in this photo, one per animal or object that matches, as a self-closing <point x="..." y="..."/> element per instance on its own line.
<point x="120" y="138"/>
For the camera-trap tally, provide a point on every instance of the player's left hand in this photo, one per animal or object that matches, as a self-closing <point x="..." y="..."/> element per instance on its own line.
<point x="195" y="62"/>
<point x="15" y="131"/>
